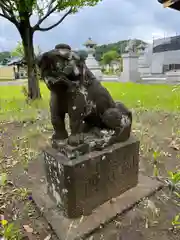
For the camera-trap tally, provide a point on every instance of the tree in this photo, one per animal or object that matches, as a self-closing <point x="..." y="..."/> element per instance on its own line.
<point x="119" y="47"/>
<point x="4" y="56"/>
<point x="19" y="50"/>
<point x="109" y="56"/>
<point x="19" y="13"/>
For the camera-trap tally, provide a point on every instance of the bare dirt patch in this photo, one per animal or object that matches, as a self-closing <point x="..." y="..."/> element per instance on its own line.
<point x="158" y="132"/>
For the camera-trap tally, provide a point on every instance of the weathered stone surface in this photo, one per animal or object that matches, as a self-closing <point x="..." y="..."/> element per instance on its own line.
<point x="78" y="186"/>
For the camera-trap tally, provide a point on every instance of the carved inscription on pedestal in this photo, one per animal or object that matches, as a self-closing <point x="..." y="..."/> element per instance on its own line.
<point x="54" y="173"/>
<point x="128" y="163"/>
<point x="91" y="186"/>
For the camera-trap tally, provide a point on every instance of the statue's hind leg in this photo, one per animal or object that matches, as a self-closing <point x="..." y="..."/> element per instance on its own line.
<point x="121" y="123"/>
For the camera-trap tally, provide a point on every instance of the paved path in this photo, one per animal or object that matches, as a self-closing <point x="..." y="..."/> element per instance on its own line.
<point x="110" y="79"/>
<point x="13" y="83"/>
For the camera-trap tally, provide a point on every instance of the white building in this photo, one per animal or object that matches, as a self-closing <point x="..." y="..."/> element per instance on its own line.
<point x="161" y="56"/>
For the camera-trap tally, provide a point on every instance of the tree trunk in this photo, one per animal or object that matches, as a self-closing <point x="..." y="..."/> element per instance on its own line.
<point x="27" y="40"/>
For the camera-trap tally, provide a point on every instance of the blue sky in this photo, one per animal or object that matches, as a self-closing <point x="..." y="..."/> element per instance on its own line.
<point x="109" y="21"/>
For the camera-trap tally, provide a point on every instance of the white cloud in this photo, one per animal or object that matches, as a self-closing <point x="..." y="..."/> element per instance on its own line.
<point x="109" y="21"/>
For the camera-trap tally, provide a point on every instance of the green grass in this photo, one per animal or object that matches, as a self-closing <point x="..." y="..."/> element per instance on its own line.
<point x="152" y="97"/>
<point x="162" y="97"/>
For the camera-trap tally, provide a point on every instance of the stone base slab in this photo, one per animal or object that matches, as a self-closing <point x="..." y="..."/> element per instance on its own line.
<point x="80" y="228"/>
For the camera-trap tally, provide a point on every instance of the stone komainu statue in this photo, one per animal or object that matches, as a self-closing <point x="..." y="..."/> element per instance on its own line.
<point x="76" y="91"/>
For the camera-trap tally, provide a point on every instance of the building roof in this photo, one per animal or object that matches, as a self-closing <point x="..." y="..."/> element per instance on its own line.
<point x="167" y="44"/>
<point x="175" y="4"/>
<point x="15" y="60"/>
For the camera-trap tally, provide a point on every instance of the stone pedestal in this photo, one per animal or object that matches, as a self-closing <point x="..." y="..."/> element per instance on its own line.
<point x="93" y="65"/>
<point x="143" y="67"/>
<point x="130" y="68"/>
<point x="79" y="186"/>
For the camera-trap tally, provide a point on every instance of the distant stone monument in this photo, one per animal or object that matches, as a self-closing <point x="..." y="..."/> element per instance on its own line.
<point x="143" y="66"/>
<point x="91" y="62"/>
<point x="141" y="48"/>
<point x="130" y="64"/>
<point x="131" y="47"/>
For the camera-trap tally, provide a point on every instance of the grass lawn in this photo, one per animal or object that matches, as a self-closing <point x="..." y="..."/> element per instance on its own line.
<point x="138" y="96"/>
<point x="162" y="97"/>
<point x="156" y="122"/>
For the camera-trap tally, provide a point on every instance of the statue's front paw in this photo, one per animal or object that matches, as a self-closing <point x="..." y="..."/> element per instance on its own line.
<point x="62" y="135"/>
<point x="75" y="140"/>
<point x="58" y="144"/>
